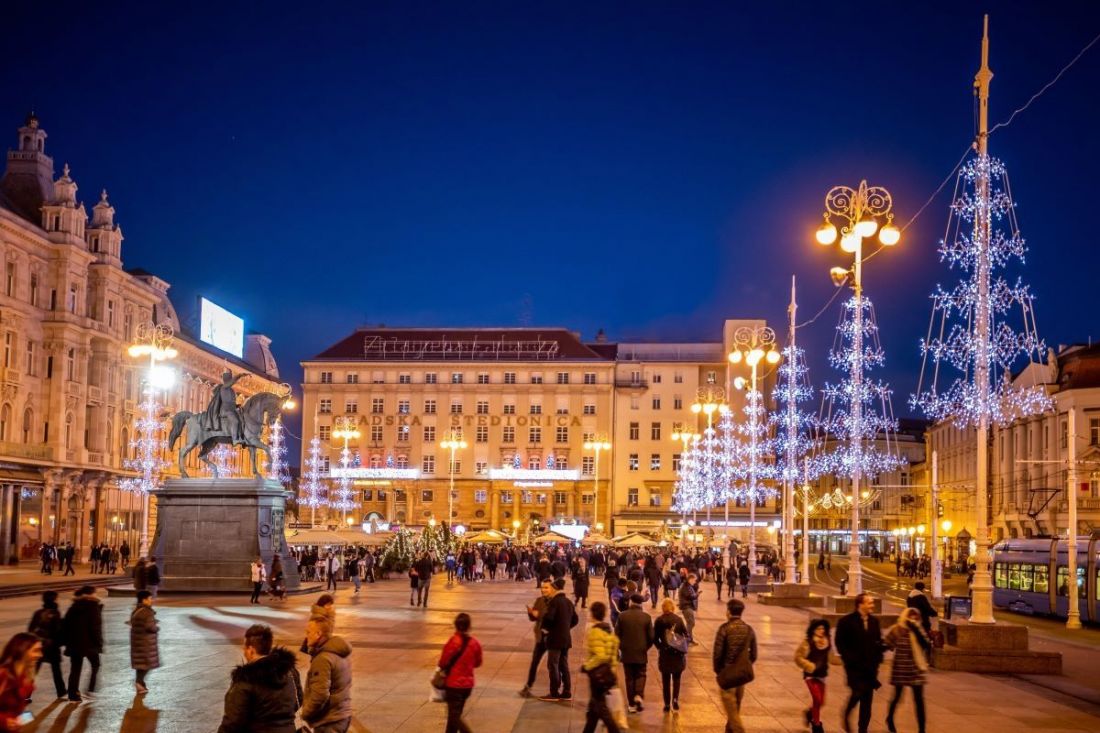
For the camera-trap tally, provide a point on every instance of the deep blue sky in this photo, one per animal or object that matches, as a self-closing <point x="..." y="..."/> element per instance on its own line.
<point x="649" y="168"/>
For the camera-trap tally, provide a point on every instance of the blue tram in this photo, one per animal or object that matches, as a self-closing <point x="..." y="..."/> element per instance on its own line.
<point x="1032" y="576"/>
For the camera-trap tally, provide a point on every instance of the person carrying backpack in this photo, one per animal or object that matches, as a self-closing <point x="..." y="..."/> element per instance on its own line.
<point x="671" y="639"/>
<point x="46" y="625"/>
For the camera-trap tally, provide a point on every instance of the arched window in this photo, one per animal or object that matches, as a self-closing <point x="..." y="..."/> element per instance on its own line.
<point x="5" y="421"/>
<point x="28" y="424"/>
<point x="376" y="461"/>
<point x="69" y="431"/>
<point x="124" y="444"/>
<point x="533" y="463"/>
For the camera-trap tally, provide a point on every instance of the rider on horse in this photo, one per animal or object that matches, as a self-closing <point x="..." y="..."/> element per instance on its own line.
<point x="222" y="413"/>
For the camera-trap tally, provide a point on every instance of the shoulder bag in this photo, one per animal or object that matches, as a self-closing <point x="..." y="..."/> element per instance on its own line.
<point x="738" y="672"/>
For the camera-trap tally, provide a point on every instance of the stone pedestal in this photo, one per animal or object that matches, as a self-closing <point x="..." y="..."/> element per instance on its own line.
<point x="999" y="647"/>
<point x="210" y="530"/>
<point x="847" y="604"/>
<point x="759" y="583"/>
<point x="793" y="595"/>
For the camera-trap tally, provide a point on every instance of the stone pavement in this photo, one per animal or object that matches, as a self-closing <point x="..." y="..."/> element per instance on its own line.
<point x="396" y="647"/>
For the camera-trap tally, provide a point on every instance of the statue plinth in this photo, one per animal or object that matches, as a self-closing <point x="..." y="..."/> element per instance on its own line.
<point x="210" y="530"/>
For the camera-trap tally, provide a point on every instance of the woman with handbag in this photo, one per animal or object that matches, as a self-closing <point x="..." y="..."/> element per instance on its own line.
<point x="18" y="664"/>
<point x="461" y="655"/>
<point x="599" y="665"/>
<point x="910" y="668"/>
<point x="671" y="639"/>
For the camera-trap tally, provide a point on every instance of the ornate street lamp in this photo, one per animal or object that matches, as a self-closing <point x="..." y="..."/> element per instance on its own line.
<point x="709" y="400"/>
<point x="598" y="443"/>
<point x="345" y="428"/>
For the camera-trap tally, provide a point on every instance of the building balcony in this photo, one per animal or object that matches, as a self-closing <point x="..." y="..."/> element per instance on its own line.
<point x="11" y="376"/>
<point x="635" y="385"/>
<point x="34" y="452"/>
<point x="95" y="395"/>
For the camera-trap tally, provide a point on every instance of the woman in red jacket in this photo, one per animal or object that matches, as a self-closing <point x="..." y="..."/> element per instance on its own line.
<point x="461" y="655"/>
<point x="18" y="664"/>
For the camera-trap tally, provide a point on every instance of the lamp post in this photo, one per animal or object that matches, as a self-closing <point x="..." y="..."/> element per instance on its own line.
<point x="859" y="211"/>
<point x="753" y="346"/>
<point x="597" y="444"/>
<point x="453" y="442"/>
<point x="346" y="429"/>
<point x="154" y="341"/>
<point x="709" y="400"/>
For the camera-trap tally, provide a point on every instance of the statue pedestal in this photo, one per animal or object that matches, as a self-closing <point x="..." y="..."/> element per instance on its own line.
<point x="210" y="530"/>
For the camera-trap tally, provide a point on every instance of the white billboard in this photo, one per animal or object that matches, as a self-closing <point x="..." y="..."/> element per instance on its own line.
<point x="220" y="328"/>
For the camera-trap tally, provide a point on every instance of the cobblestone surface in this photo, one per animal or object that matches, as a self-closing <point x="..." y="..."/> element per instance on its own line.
<point x="396" y="647"/>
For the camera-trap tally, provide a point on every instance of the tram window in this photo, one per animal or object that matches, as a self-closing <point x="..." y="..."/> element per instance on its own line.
<point x="1020" y="577"/>
<point x="1000" y="577"/>
<point x="1063" y="581"/>
<point x="1042" y="579"/>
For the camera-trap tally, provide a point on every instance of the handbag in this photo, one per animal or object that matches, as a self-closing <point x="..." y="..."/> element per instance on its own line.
<point x="603" y="676"/>
<point x="676" y="642"/>
<point x="439" y="679"/>
<point x="737" y="673"/>
<point x="616" y="703"/>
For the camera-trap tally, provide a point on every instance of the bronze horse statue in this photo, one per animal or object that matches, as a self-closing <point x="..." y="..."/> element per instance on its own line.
<point x="259" y="411"/>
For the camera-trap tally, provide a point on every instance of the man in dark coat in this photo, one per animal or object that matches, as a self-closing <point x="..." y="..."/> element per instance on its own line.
<point x="46" y="625"/>
<point x="535" y="613"/>
<point x="424" y="568"/>
<point x="557" y="624"/>
<point x="635" y="631"/>
<point x="919" y="601"/>
<point x="82" y="629"/>
<point x="265" y="691"/>
<point x="859" y="642"/>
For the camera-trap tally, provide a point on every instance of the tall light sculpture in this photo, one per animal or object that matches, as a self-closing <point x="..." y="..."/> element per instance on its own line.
<point x="684" y="496"/>
<point x="345" y="428"/>
<point x="453" y="442"/>
<point x="276" y="466"/>
<point x="709" y="401"/>
<point x="154" y="342"/>
<point x="859" y="211"/>
<point x="752" y="347"/>
<point x="983" y="236"/>
<point x="314" y="489"/>
<point x="597" y="444"/>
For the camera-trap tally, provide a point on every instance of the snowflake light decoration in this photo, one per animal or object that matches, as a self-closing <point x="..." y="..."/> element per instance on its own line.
<point x="313" y="489"/>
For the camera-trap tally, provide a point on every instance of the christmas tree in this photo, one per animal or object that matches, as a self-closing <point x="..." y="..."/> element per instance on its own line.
<point x="399" y="552"/>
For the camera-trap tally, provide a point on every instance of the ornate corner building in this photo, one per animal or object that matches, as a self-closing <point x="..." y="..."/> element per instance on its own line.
<point x="525" y="401"/>
<point x="68" y="389"/>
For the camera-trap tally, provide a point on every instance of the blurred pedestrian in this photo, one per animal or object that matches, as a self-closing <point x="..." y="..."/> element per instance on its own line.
<point x="535" y="613"/>
<point x="688" y="601"/>
<point x="152" y="575"/>
<point x="82" y="629"/>
<point x="910" y="667"/>
<point x="46" y="625"/>
<point x="144" y="649"/>
<point x="257" y="573"/>
<point x="557" y="625"/>
<point x="859" y="641"/>
<point x="918" y="600"/>
<point x="265" y="691"/>
<point x="812" y="657"/>
<point x="635" y="632"/>
<point x="460" y="657"/>
<point x="671" y="639"/>
<point x="599" y="665"/>
<point x="326" y="703"/>
<point x="18" y="663"/>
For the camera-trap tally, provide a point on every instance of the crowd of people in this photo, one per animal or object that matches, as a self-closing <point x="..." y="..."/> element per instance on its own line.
<point x="267" y="692"/>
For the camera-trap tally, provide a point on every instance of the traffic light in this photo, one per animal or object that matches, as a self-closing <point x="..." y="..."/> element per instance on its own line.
<point x="939" y="510"/>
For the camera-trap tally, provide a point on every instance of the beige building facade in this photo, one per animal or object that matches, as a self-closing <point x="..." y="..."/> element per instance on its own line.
<point x="68" y="390"/>
<point x="525" y="400"/>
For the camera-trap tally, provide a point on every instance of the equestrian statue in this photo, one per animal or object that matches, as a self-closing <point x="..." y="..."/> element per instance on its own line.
<point x="224" y="422"/>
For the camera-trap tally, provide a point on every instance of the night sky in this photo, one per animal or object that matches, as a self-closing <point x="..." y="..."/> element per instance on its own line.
<point x="649" y="168"/>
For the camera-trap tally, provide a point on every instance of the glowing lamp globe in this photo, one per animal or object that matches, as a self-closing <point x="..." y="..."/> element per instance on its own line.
<point x="946" y="526"/>
<point x="826" y="233"/>
<point x="850" y="242"/>
<point x="889" y="235"/>
<point x="866" y="227"/>
<point x="773" y="357"/>
<point x="739" y="383"/>
<point x="735" y="357"/>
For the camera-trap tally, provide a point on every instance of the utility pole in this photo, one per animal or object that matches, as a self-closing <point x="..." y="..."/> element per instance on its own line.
<point x="937" y="561"/>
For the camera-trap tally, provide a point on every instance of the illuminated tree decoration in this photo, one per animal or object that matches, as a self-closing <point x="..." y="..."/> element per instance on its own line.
<point x="687" y="492"/>
<point x="389" y="461"/>
<point x="550" y="462"/>
<point x="313" y="491"/>
<point x="276" y="467"/>
<point x="147" y="447"/>
<point x="342" y="499"/>
<point x="856" y="414"/>
<point x="222" y="458"/>
<point x="792" y="426"/>
<point x="953" y="333"/>
<point x="516" y="462"/>
<point x="749" y="468"/>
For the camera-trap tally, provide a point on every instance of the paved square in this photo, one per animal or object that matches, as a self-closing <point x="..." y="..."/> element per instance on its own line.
<point x="396" y="647"/>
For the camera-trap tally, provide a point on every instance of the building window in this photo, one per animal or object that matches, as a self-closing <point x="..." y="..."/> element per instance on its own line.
<point x="482" y="434"/>
<point x="377" y="405"/>
<point x="632" y="463"/>
<point x="429" y="433"/>
<point x="536" y="409"/>
<point x="427" y="465"/>
<point x="561" y="435"/>
<point x="589" y="409"/>
<point x="657" y="402"/>
<point x="29" y="367"/>
<point x="656" y="377"/>
<point x="430" y="378"/>
<point x="376" y="433"/>
<point x="563" y="377"/>
<point x="562" y="411"/>
<point x="634" y="403"/>
<point x="508" y="435"/>
<point x="1065" y="438"/>
<point x="634" y="431"/>
<point x="403" y="407"/>
<point x="654" y="461"/>
<point x="483" y="377"/>
<point x="110" y="314"/>
<point x="1094" y="428"/>
<point x="481" y="496"/>
<point x="559" y="498"/>
<point x="676" y="462"/>
<point x="677" y="402"/>
<point x="590" y="377"/>
<point x="481" y="468"/>
<point x="70" y="365"/>
<point x="404" y="379"/>
<point x="427" y="496"/>
<point x="456" y="408"/>
<point x="402" y="461"/>
<point x="324" y="406"/>
<point x="326" y="464"/>
<point x="34" y="292"/>
<point x="536" y="379"/>
<point x="482" y="407"/>
<point x="526" y="497"/>
<point x="632" y="497"/>
<point x="456" y="466"/>
<point x="368" y="494"/>
<point x="586" y="499"/>
<point x="509" y="377"/>
<point x="326" y="377"/>
<point x="712" y="377"/>
<point x="534" y="435"/>
<point x="655" y="497"/>
<point x="402" y="433"/>
<point x="588" y="465"/>
<point x="9" y="347"/>
<point x="655" y="431"/>
<point x="351" y="406"/>
<point x="561" y="463"/>
<point x="540" y="498"/>
<point x="72" y="299"/>
<point x="353" y="378"/>
<point x="509" y="409"/>
<point x="429" y="407"/>
<point x="678" y="377"/>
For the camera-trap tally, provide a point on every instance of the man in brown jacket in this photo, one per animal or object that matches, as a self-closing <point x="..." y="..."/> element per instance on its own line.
<point x="327" y="700"/>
